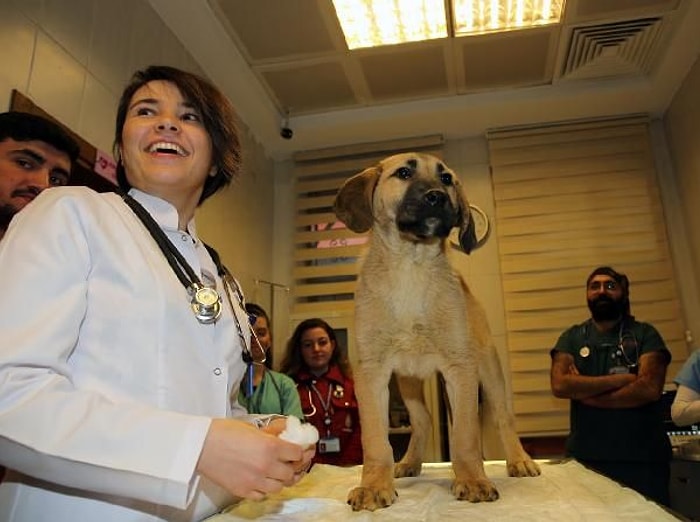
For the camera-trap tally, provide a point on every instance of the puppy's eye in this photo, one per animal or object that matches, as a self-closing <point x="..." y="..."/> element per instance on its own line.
<point x="446" y="179"/>
<point x="403" y="173"/>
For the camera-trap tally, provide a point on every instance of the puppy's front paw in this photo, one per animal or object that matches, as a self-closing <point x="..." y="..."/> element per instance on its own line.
<point x="523" y="468"/>
<point x="482" y="490"/>
<point x="371" y="499"/>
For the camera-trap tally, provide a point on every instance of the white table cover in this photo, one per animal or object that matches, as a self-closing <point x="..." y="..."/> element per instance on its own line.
<point x="566" y="491"/>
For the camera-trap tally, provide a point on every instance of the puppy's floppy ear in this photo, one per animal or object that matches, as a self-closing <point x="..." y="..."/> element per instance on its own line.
<point x="467" y="229"/>
<point x="353" y="203"/>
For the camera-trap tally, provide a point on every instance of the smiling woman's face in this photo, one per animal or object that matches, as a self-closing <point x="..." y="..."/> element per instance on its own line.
<point x="166" y="150"/>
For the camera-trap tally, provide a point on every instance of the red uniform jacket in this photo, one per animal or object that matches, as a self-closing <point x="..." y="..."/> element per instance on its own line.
<point x="338" y="393"/>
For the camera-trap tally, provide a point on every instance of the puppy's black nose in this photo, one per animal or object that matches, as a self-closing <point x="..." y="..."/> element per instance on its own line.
<point x="435" y="198"/>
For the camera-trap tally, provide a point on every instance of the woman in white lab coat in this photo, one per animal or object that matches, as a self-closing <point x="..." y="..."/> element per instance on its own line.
<point x="120" y="346"/>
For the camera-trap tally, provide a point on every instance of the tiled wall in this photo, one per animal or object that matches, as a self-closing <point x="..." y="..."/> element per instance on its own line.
<point x="73" y="57"/>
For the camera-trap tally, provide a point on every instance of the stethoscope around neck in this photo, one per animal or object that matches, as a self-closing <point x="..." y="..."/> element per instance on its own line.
<point x="311" y="402"/>
<point x="621" y="337"/>
<point x="205" y="302"/>
<point x="334" y="390"/>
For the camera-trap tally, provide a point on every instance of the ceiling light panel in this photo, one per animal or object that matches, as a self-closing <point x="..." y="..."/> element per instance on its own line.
<point x="487" y="16"/>
<point x="371" y="23"/>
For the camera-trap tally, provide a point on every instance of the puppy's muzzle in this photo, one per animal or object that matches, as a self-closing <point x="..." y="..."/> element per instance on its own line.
<point x="426" y="214"/>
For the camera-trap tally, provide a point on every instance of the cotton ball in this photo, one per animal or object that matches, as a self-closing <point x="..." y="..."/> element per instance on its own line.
<point x="302" y="434"/>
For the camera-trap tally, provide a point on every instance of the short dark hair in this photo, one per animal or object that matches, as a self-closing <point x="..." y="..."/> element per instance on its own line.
<point x="23" y="126"/>
<point x="217" y="113"/>
<point x="257" y="311"/>
<point x="293" y="361"/>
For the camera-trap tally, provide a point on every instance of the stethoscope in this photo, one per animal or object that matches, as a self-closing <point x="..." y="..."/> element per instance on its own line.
<point x="205" y="301"/>
<point x="334" y="390"/>
<point x="311" y="402"/>
<point x="621" y="351"/>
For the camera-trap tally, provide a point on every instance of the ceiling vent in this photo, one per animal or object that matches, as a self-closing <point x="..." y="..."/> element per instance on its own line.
<point x="625" y="48"/>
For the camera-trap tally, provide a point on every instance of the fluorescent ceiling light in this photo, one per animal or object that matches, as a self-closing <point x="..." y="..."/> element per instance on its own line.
<point x="371" y="23"/>
<point x="485" y="16"/>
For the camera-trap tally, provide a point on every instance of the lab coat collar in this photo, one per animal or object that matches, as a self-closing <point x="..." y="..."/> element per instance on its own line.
<point x="162" y="212"/>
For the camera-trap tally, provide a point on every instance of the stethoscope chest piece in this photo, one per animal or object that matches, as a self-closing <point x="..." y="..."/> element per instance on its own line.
<point x="205" y="303"/>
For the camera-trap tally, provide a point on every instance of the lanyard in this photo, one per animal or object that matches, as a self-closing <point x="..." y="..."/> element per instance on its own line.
<point x="325" y="405"/>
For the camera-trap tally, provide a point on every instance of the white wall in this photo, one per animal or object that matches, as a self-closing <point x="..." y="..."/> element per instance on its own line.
<point x="73" y="57"/>
<point x="283" y="252"/>
<point x="481" y="269"/>
<point x="677" y="228"/>
<point x="682" y="125"/>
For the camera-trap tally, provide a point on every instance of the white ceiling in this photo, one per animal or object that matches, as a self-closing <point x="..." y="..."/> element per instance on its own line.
<point x="607" y="57"/>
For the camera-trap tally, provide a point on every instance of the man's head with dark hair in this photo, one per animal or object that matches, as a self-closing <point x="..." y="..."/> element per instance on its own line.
<point x="607" y="294"/>
<point x="35" y="154"/>
<point x="260" y="322"/>
<point x="22" y="126"/>
<point x="256" y="310"/>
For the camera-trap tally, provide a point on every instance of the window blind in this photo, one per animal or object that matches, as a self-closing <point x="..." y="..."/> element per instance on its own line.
<point x="569" y="198"/>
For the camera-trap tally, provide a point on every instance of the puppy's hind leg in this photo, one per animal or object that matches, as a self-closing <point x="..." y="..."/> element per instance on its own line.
<point x="518" y="461"/>
<point x="411" y="389"/>
<point x="471" y="482"/>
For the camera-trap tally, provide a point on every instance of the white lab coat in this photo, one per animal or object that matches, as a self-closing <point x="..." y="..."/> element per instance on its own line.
<point x="108" y="383"/>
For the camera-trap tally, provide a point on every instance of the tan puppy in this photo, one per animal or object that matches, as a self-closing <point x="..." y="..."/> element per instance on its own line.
<point x="414" y="316"/>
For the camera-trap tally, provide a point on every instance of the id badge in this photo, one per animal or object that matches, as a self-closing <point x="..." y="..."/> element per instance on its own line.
<point x="329" y="445"/>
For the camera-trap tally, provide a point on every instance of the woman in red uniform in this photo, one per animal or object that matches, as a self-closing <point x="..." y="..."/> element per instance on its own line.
<point x="327" y="392"/>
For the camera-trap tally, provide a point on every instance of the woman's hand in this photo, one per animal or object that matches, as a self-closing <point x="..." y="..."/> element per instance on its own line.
<point x="249" y="462"/>
<point x="276" y="427"/>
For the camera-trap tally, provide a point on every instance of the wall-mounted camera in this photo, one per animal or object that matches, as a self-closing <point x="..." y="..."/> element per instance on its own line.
<point x="285" y="130"/>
